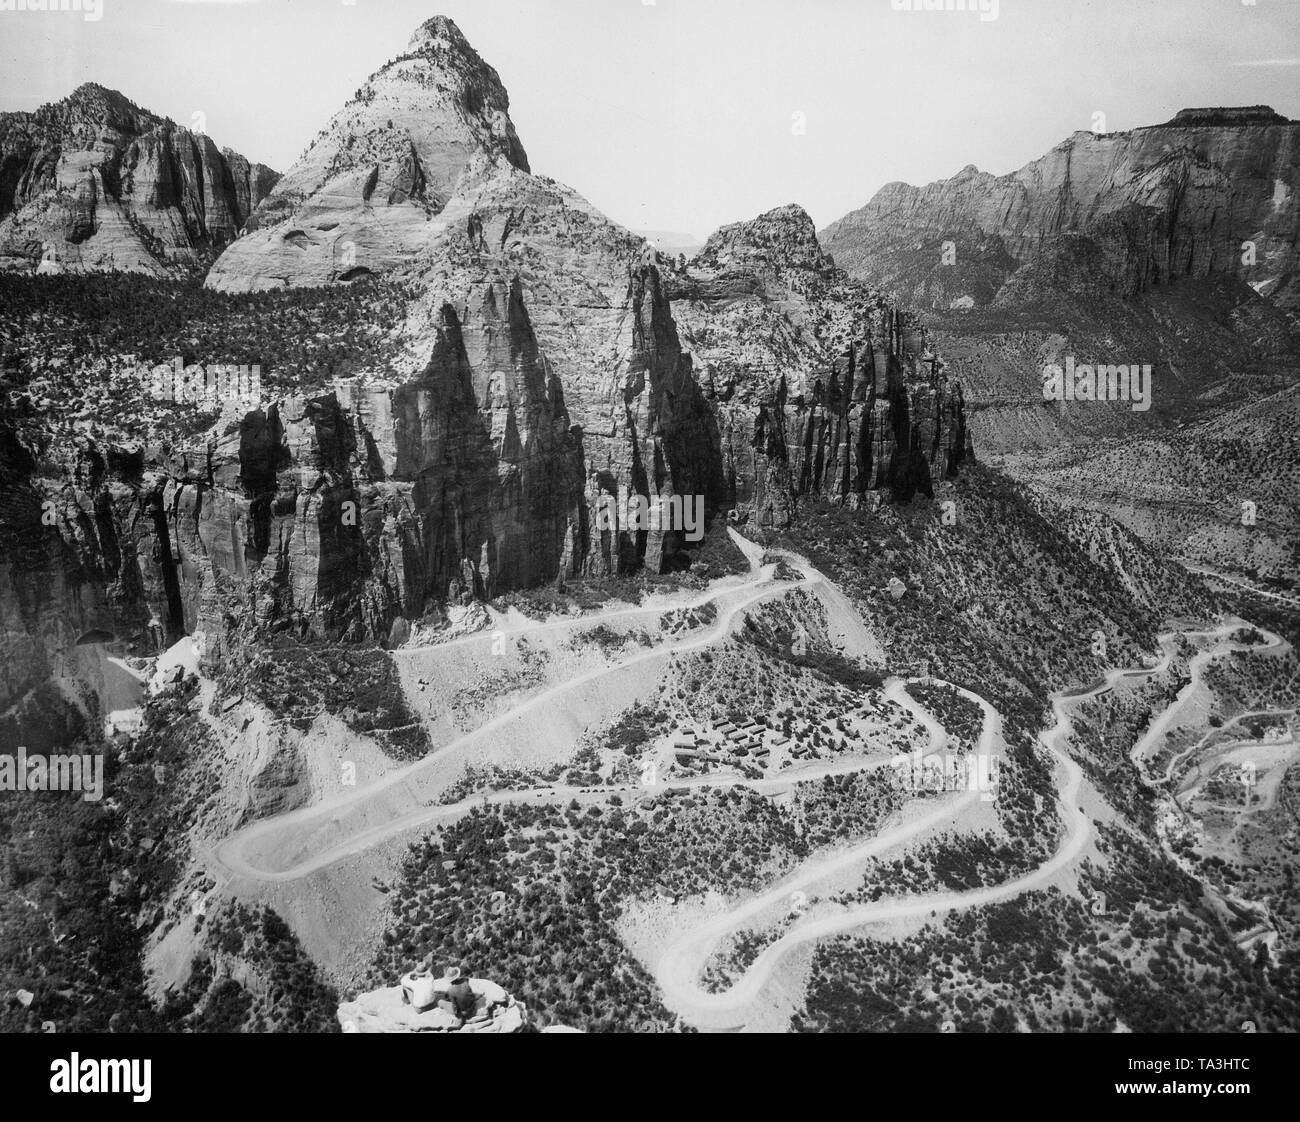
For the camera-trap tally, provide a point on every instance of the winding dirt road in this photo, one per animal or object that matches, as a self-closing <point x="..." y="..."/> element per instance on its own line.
<point x="681" y="965"/>
<point x="289" y="846"/>
<point x="293" y="846"/>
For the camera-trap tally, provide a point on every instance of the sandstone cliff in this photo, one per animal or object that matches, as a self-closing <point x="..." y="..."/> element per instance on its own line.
<point x="361" y="197"/>
<point x="95" y="183"/>
<point x="546" y="361"/>
<point x="819" y="386"/>
<point x="1175" y="246"/>
<point x="1120" y="212"/>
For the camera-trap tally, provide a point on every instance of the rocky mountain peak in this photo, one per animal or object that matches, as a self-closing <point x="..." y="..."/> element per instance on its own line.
<point x="361" y="198"/>
<point x="80" y="118"/>
<point x="439" y="33"/>
<point x="781" y="238"/>
<point x="439" y="60"/>
<point x="91" y="97"/>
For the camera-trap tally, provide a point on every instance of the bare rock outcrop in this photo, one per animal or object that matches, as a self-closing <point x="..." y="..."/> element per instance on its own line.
<point x="96" y="183"/>
<point x="1120" y="211"/>
<point x="547" y="363"/>
<point x="389" y="1010"/>
<point x="361" y="198"/>
<point x="820" y="387"/>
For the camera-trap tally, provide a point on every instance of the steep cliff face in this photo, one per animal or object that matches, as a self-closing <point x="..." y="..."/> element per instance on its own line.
<point x="1174" y="246"/>
<point x="330" y="515"/>
<point x="605" y="332"/>
<point x="338" y="513"/>
<point x="93" y="182"/>
<point x="547" y="364"/>
<point x="1128" y="211"/>
<point x="820" y="388"/>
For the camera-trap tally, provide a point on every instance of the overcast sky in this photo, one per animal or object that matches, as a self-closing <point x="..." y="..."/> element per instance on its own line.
<point x="679" y="115"/>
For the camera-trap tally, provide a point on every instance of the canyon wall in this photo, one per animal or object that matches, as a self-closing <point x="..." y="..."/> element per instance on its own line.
<point x="95" y="183"/>
<point x="549" y="362"/>
<point x="1122" y="212"/>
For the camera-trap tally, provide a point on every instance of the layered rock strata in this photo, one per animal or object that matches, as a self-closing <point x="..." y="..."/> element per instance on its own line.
<point x="95" y="183"/>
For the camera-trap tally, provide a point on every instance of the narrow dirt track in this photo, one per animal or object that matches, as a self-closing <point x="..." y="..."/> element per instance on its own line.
<point x="679" y="967"/>
<point x="681" y="964"/>
<point x="235" y="855"/>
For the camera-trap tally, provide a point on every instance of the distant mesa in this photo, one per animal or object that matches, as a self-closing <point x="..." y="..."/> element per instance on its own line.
<point x="1226" y="117"/>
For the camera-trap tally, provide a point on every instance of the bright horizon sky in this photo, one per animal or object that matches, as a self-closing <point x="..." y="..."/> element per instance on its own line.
<point x="678" y="115"/>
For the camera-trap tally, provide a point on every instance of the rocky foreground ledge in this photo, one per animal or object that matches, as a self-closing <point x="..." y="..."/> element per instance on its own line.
<point x="387" y="1010"/>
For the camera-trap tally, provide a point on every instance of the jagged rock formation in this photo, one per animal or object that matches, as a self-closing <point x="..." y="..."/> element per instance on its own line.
<point x="549" y="361"/>
<point x="360" y="199"/>
<point x="1117" y="212"/>
<point x="94" y="183"/>
<point x="820" y="388"/>
<point x="600" y="324"/>
<point x="332" y="514"/>
<point x="1174" y="245"/>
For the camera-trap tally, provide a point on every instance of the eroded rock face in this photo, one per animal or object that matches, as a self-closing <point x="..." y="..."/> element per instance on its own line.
<point x="335" y="514"/>
<point x="550" y="362"/>
<point x="602" y="348"/>
<point x="1118" y="211"/>
<point x="93" y="183"/>
<point x="386" y="1010"/>
<point x="647" y="413"/>
<point x="340" y="514"/>
<point x="819" y="387"/>
<point x="361" y="198"/>
<point x="602" y="351"/>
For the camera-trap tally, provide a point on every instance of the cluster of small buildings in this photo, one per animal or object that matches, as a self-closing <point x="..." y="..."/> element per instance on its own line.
<point x="747" y="746"/>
